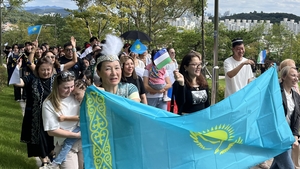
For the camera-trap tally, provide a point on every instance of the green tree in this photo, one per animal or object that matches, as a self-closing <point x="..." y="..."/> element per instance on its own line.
<point x="145" y="15"/>
<point x="279" y="42"/>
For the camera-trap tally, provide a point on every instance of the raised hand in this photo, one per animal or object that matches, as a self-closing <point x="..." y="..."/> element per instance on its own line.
<point x="178" y="77"/>
<point x="73" y="41"/>
<point x="35" y="43"/>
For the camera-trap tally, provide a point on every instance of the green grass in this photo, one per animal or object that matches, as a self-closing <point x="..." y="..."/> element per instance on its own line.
<point x="13" y="153"/>
<point x="220" y="90"/>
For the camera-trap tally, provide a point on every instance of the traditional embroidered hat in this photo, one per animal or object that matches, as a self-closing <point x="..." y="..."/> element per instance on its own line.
<point x="111" y="49"/>
<point x="237" y="41"/>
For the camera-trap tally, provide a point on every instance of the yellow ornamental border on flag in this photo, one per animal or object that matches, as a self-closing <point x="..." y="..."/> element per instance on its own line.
<point x="99" y="131"/>
<point x="216" y="135"/>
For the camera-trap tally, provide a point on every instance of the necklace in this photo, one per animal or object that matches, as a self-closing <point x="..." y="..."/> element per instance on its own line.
<point x="196" y="88"/>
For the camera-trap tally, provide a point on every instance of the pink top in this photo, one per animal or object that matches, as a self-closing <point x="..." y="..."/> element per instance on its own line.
<point x="156" y="76"/>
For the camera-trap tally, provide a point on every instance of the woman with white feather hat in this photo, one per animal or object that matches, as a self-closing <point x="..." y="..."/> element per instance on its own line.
<point x="110" y="72"/>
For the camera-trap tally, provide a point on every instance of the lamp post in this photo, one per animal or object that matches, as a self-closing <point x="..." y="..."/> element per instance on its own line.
<point x="215" y="79"/>
<point x="1" y="47"/>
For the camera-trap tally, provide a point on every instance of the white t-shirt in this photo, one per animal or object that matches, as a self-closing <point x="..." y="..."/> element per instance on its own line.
<point x="170" y="69"/>
<point x="172" y="66"/>
<point x="240" y="80"/>
<point x="69" y="107"/>
<point x="141" y="64"/>
<point x="86" y="52"/>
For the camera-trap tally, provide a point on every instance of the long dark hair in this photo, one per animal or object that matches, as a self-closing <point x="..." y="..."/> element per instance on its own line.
<point x="201" y="81"/>
<point x="153" y="52"/>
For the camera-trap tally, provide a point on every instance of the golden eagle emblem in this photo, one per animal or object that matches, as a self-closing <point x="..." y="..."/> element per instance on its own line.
<point x="216" y="135"/>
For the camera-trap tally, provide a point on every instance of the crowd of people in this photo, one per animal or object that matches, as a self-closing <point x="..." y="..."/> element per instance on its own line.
<point x="52" y="82"/>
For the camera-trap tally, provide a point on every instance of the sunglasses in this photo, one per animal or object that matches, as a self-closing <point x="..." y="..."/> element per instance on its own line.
<point x="66" y="74"/>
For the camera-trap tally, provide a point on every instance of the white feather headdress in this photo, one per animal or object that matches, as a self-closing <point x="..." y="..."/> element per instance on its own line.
<point x="111" y="48"/>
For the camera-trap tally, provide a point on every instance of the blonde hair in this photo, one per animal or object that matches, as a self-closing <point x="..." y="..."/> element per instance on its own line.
<point x="286" y="62"/>
<point x="284" y="72"/>
<point x="54" y="97"/>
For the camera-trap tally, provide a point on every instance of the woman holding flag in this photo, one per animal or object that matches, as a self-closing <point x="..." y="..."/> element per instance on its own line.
<point x="190" y="88"/>
<point x="110" y="71"/>
<point x="291" y="105"/>
<point x="156" y="79"/>
<point x="57" y="66"/>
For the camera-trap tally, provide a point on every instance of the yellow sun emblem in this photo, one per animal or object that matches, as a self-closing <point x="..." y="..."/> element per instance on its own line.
<point x="216" y="135"/>
<point x="138" y="47"/>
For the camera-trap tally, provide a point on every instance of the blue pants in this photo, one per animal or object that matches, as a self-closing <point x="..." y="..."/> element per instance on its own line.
<point x="61" y="156"/>
<point x="283" y="161"/>
<point x="157" y="102"/>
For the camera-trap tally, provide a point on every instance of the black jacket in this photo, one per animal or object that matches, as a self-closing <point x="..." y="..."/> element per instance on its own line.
<point x="295" y="119"/>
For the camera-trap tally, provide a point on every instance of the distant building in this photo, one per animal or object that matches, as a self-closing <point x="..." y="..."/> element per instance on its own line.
<point x="191" y="22"/>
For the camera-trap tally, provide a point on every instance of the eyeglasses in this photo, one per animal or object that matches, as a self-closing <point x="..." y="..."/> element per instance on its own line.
<point x="196" y="65"/>
<point x="68" y="50"/>
<point x="66" y="74"/>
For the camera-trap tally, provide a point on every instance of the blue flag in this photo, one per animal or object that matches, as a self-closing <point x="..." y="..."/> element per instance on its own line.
<point x="138" y="47"/>
<point x="241" y="131"/>
<point x="34" y="29"/>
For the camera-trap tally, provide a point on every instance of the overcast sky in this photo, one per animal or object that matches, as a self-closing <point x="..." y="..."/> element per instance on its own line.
<point x="246" y="6"/>
<point x="234" y="6"/>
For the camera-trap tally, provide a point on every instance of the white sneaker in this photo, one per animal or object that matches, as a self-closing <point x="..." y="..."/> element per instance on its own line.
<point x="166" y="99"/>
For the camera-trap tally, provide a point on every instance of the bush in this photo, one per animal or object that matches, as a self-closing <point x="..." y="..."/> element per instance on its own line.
<point x="220" y="90"/>
<point x="3" y="77"/>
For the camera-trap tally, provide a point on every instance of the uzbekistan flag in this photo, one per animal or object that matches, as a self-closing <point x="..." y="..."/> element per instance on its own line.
<point x="162" y="58"/>
<point x="262" y="57"/>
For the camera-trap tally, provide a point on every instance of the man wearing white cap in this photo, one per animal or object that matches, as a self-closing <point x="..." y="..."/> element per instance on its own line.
<point x="238" y="72"/>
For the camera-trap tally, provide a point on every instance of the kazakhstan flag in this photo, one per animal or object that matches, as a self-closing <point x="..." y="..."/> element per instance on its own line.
<point x="34" y="29"/>
<point x="138" y="47"/>
<point x="239" y="132"/>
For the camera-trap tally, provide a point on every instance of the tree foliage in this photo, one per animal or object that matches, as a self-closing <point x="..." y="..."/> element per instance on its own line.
<point x="273" y="17"/>
<point x="151" y="17"/>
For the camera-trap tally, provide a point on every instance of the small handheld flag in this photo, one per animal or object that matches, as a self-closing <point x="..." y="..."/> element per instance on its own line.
<point x="34" y="29"/>
<point x="161" y="58"/>
<point x="262" y="57"/>
<point x="138" y="47"/>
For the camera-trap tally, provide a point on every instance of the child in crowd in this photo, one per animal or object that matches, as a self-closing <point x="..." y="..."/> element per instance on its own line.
<point x="78" y="92"/>
<point x="86" y="62"/>
<point x="157" y="78"/>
